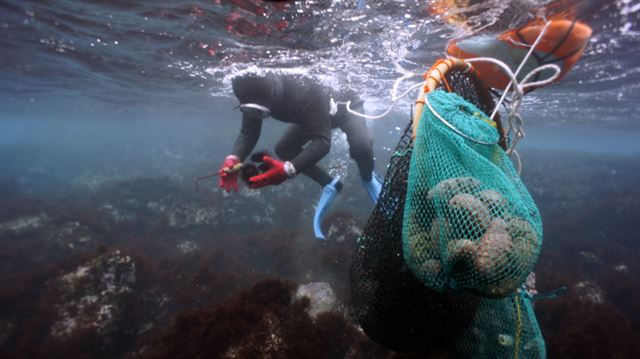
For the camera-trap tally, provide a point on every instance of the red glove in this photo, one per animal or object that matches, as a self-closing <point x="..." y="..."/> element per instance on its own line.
<point x="276" y="173"/>
<point x="229" y="180"/>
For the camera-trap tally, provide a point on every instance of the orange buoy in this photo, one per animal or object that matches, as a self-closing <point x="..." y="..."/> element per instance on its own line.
<point x="562" y="44"/>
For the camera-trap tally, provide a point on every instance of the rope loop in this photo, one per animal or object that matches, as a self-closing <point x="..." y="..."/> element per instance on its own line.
<point x="514" y="119"/>
<point x="516" y="88"/>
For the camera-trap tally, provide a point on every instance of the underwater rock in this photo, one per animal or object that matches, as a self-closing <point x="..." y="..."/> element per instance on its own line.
<point x="71" y="235"/>
<point x="94" y="297"/>
<point x="94" y="181"/>
<point x="344" y="228"/>
<point x="187" y="247"/>
<point x="267" y="340"/>
<point x="24" y="224"/>
<point x="320" y="295"/>
<point x="589" y="292"/>
<point x="589" y="257"/>
<point x="117" y="214"/>
<point x="264" y="321"/>
<point x="188" y="215"/>
<point x="622" y="268"/>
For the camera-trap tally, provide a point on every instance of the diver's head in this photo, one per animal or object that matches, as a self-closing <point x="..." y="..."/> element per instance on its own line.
<point x="254" y="93"/>
<point x="253" y="88"/>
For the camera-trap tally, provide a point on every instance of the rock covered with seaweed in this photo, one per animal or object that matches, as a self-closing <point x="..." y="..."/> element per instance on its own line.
<point x="589" y="249"/>
<point x="265" y="321"/>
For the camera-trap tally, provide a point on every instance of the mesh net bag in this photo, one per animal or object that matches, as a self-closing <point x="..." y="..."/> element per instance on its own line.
<point x="393" y="307"/>
<point x="502" y="328"/>
<point x="469" y="222"/>
<point x="396" y="309"/>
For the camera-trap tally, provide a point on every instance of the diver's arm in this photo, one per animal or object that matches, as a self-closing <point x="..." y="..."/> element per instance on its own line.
<point x="248" y="137"/>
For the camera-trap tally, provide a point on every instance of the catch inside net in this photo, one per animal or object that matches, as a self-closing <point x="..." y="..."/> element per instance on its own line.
<point x="469" y="222"/>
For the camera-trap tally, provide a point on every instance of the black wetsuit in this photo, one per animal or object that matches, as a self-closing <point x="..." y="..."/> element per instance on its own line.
<point x="304" y="103"/>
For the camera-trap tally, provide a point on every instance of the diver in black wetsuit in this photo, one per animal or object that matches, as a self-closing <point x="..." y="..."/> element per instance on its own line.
<point x="312" y="111"/>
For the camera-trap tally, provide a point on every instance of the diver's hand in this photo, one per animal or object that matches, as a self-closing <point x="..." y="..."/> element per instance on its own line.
<point x="229" y="179"/>
<point x="277" y="172"/>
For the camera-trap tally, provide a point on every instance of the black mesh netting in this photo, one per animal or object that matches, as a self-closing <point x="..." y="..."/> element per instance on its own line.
<point x="392" y="306"/>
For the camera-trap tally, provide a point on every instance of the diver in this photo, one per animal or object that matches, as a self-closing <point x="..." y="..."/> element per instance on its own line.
<point x="312" y="111"/>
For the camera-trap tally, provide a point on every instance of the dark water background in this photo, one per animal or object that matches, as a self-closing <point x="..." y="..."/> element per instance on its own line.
<point x="109" y="110"/>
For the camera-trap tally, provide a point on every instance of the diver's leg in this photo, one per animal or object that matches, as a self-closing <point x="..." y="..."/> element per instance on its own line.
<point x="318" y="175"/>
<point x="290" y="145"/>
<point x="360" y="139"/>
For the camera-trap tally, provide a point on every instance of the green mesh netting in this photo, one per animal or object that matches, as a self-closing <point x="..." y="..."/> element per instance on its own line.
<point x="469" y="222"/>
<point x="502" y="328"/>
<point x="392" y="306"/>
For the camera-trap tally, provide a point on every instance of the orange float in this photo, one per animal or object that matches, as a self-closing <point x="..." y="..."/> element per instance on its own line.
<point x="562" y="44"/>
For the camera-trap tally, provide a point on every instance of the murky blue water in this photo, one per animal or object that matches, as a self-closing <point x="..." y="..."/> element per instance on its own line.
<point x="94" y="94"/>
<point x="139" y="54"/>
<point x="70" y="62"/>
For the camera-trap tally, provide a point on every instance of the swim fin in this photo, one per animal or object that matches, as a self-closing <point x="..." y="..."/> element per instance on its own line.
<point x="373" y="187"/>
<point x="329" y="194"/>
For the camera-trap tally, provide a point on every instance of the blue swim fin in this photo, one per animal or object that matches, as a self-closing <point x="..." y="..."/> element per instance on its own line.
<point x="373" y="187"/>
<point x="329" y="194"/>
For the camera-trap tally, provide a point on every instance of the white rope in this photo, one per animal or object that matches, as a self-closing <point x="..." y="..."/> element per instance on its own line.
<point x="515" y="122"/>
<point x="525" y="82"/>
<point x="453" y="128"/>
<point x="533" y="47"/>
<point x="394" y="97"/>
<point x="515" y="130"/>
